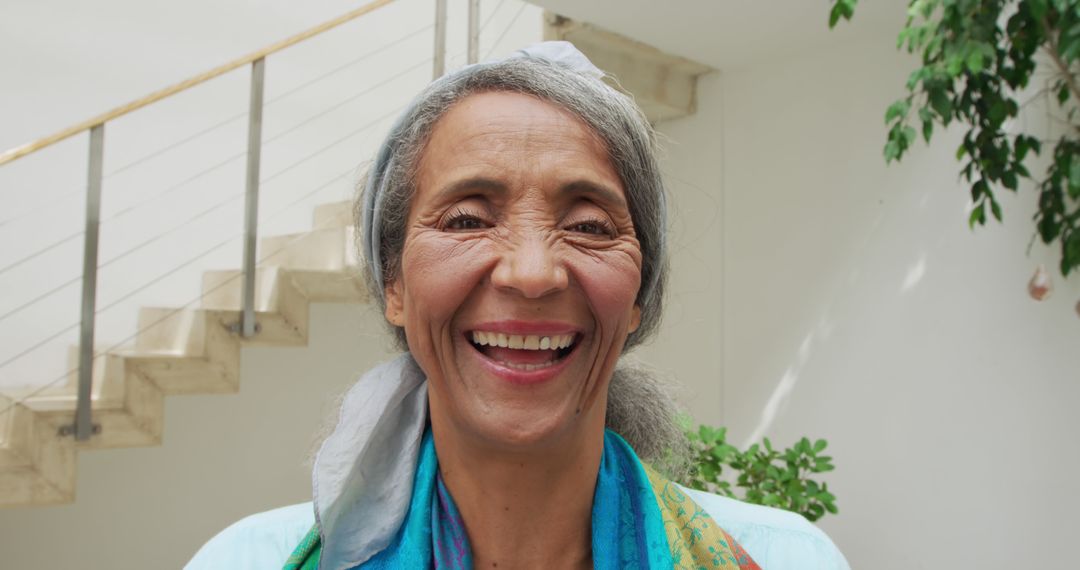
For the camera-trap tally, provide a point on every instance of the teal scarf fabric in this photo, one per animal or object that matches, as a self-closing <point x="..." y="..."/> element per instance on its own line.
<point x="627" y="528"/>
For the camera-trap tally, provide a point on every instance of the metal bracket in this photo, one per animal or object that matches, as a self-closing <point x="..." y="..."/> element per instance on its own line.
<point x="68" y="430"/>
<point x="238" y="328"/>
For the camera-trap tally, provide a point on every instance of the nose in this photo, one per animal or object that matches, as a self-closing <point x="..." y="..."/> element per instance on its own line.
<point x="532" y="268"/>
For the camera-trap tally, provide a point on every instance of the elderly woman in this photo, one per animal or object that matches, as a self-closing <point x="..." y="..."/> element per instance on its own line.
<point x="513" y="227"/>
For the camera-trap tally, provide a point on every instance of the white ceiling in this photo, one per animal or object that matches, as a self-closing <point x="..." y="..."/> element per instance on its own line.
<point x="734" y="33"/>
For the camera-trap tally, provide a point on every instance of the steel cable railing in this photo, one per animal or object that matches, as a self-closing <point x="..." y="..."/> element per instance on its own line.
<point x="235" y="117"/>
<point x="43" y="342"/>
<point x="228" y="120"/>
<point x="491" y="16"/>
<point x="43" y="387"/>
<point x="506" y="30"/>
<point x="204" y="172"/>
<point x="152" y="198"/>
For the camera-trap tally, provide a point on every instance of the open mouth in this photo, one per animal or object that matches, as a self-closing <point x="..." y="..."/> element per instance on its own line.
<point x="523" y="352"/>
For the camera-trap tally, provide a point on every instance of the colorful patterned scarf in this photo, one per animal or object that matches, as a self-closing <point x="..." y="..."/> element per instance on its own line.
<point x="639" y="520"/>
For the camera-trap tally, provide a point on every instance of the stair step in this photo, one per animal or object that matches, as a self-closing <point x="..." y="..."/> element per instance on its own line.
<point x="342" y="286"/>
<point x="37" y="466"/>
<point x="333" y="215"/>
<point x="15" y="426"/>
<point x="281" y="308"/>
<point x="323" y="249"/>
<point x="223" y="289"/>
<point x="177" y="351"/>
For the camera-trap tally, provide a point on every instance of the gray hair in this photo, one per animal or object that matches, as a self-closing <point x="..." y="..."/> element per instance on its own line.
<point x="640" y="407"/>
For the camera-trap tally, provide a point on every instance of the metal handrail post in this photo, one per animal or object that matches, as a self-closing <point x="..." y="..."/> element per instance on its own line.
<point x="248" y="327"/>
<point x="440" y="38"/>
<point x="474" y="31"/>
<point x="84" y="426"/>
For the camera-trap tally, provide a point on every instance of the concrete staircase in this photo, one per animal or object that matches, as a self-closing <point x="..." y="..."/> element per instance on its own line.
<point x="177" y="351"/>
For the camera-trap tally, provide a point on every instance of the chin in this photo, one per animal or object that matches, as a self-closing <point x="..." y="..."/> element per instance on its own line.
<point x="515" y="410"/>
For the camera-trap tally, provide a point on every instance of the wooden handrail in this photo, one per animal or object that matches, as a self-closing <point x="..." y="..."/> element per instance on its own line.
<point x="25" y="149"/>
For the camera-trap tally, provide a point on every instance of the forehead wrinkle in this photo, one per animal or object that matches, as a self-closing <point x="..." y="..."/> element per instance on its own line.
<point x="492" y="151"/>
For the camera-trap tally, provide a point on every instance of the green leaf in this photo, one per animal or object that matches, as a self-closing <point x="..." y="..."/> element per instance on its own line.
<point x="927" y="130"/>
<point x="917" y="76"/>
<point x="1010" y="181"/>
<point x="820" y="445"/>
<point x="1074" y="177"/>
<point x="978" y="215"/>
<point x="708" y="472"/>
<point x="1020" y="149"/>
<point x="941" y="103"/>
<point x="954" y="64"/>
<point x="975" y="61"/>
<point x="842" y="9"/>
<point x="1037" y="8"/>
<point x="996" y="209"/>
<point x="892" y="151"/>
<point x="898" y="109"/>
<point x="1071" y="252"/>
<point x="909" y="136"/>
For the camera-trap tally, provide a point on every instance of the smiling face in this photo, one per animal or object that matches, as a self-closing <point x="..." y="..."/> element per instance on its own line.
<point x="519" y="272"/>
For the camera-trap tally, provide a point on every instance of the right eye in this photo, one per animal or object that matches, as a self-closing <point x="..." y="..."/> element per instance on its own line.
<point x="461" y="220"/>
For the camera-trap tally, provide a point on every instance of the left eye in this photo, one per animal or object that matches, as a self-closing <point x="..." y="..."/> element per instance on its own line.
<point x="466" y="223"/>
<point x="591" y="227"/>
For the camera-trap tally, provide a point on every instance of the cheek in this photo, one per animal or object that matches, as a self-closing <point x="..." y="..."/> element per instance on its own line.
<point x="439" y="273"/>
<point x="611" y="281"/>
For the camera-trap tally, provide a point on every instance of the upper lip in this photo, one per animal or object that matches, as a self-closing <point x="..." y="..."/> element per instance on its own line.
<point x="545" y="328"/>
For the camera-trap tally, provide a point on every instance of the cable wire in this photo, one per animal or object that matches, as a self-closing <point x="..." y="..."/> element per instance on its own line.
<point x="224" y="283"/>
<point x="227" y="120"/>
<point x="201" y="255"/>
<point x="491" y="16"/>
<point x="204" y="172"/>
<point x="506" y="30"/>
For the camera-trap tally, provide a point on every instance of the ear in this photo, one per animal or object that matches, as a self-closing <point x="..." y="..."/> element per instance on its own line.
<point x="395" y="303"/>
<point x="635" y="318"/>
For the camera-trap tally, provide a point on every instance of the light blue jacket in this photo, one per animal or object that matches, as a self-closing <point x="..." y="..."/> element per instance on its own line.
<point x="776" y="539"/>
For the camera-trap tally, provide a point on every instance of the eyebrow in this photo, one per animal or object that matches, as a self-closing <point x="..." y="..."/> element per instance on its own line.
<point x="599" y="192"/>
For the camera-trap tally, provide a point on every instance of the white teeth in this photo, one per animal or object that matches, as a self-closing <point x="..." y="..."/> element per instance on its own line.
<point x="526" y="367"/>
<point x="526" y="342"/>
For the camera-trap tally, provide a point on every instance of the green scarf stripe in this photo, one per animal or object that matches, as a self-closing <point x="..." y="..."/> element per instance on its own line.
<point x="307" y="553"/>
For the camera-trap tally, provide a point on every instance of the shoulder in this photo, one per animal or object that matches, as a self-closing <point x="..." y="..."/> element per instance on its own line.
<point x="774" y="538"/>
<point x="264" y="540"/>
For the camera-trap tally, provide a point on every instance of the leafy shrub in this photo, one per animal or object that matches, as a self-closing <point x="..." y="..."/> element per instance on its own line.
<point x="764" y="475"/>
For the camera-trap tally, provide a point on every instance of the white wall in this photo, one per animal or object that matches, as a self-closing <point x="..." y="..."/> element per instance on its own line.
<point x="857" y="306"/>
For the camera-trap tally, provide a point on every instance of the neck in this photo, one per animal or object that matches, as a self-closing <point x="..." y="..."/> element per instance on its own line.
<point x="524" y="509"/>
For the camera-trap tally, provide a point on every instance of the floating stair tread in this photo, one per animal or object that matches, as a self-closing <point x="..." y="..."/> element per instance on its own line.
<point x="177" y="351"/>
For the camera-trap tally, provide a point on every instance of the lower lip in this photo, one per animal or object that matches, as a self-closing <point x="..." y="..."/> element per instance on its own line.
<point x="516" y="376"/>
